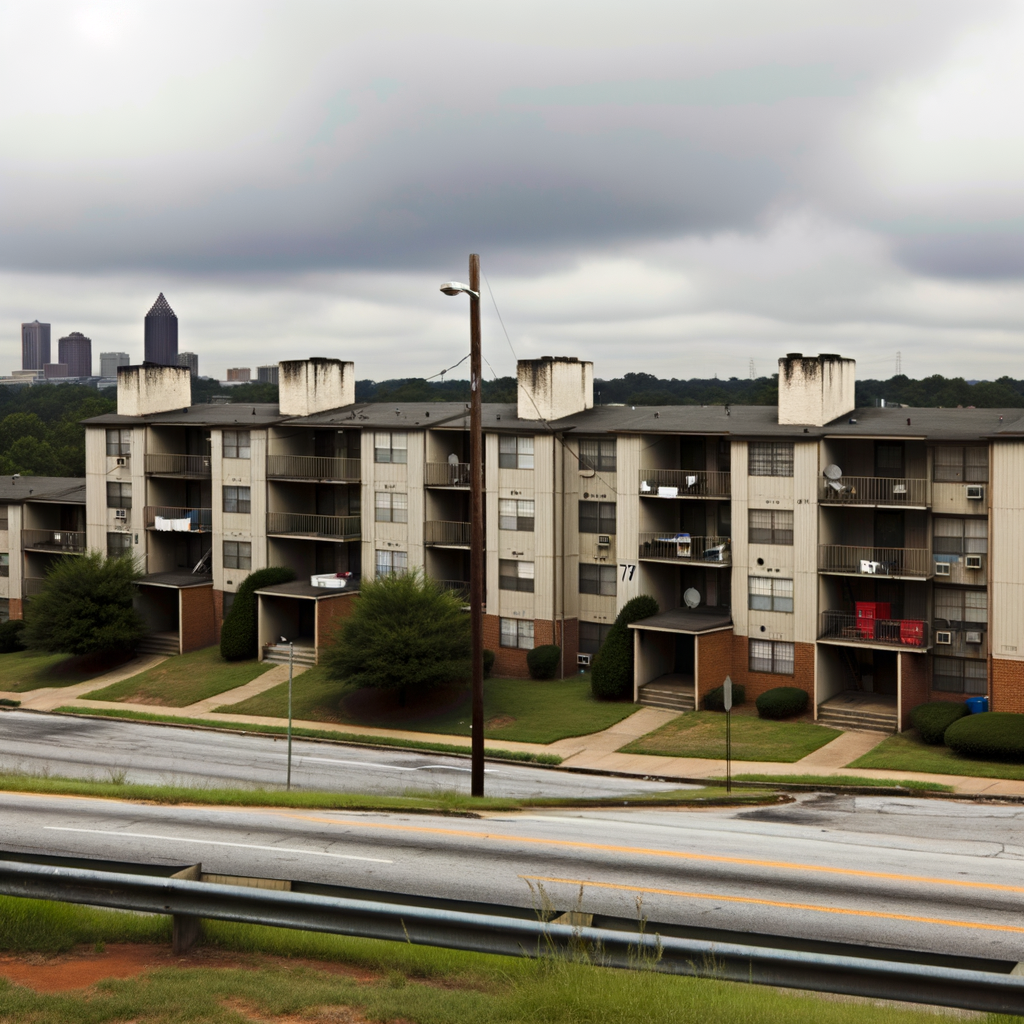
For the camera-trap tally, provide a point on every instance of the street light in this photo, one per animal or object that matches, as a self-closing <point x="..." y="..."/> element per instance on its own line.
<point x="476" y="517"/>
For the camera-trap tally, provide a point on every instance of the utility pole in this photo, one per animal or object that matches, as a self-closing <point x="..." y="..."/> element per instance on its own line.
<point x="476" y="534"/>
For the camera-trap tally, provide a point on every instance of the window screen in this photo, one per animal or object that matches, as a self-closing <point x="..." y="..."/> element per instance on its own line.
<point x="389" y="507"/>
<point x="515" y="575"/>
<point x="592" y="635"/>
<point x="515" y="514"/>
<point x="770" y="526"/>
<point x="597" y="517"/>
<point x="597" y="454"/>
<point x="770" y="594"/>
<point x="391" y="447"/>
<point x="775" y="656"/>
<point x="515" y="452"/>
<point x="598" y="579"/>
<point x="119" y="495"/>
<point x="517" y="633"/>
<point x="237" y="499"/>
<point x="236" y="444"/>
<point x="392" y="562"/>
<point x="119" y="441"/>
<point x="237" y="554"/>
<point x="959" y="675"/>
<point x="770" y="458"/>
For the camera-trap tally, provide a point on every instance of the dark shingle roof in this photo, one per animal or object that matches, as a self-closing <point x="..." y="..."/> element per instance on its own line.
<point x="42" y="488"/>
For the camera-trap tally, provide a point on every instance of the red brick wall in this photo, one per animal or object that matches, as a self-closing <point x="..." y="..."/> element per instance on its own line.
<point x="1005" y="684"/>
<point x="510" y="662"/>
<point x="198" y="626"/>
<point x="15" y="608"/>
<point x="329" y="612"/>
<point x="915" y="685"/>
<point x="218" y="610"/>
<point x="714" y="661"/>
<point x="757" y="683"/>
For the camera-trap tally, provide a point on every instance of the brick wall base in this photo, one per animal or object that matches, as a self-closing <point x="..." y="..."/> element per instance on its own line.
<point x="510" y="662"/>
<point x="714" y="662"/>
<point x="218" y="611"/>
<point x="1005" y="686"/>
<point x="330" y="611"/>
<point x="198" y="626"/>
<point x="15" y="608"/>
<point x="757" y="683"/>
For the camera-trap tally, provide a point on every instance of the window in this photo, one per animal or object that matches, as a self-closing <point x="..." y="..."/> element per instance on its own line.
<point x="391" y="447"/>
<point x="515" y="452"/>
<point x="119" y="495"/>
<point x="959" y="675"/>
<point x="597" y="517"/>
<point x="236" y="444"/>
<point x="768" y="594"/>
<point x="962" y="609"/>
<point x="237" y="554"/>
<point x="3" y="517"/>
<point x="770" y="458"/>
<point x="770" y="526"/>
<point x="392" y="562"/>
<point x="598" y="579"/>
<point x="5" y="563"/>
<point x="389" y="507"/>
<point x="517" y="633"/>
<point x="960" y="465"/>
<point x="960" y="536"/>
<point x="513" y="575"/>
<point x="597" y="454"/>
<point x="515" y="514"/>
<point x="592" y="635"/>
<point x="888" y="459"/>
<point x="236" y="499"/>
<point x="118" y="544"/>
<point x="773" y="656"/>
<point x="119" y="441"/>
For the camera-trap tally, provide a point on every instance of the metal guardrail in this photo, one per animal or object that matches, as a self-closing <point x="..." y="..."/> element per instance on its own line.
<point x="668" y="545"/>
<point x="874" y="490"/>
<point x="453" y="535"/>
<point x="874" y="561"/>
<point x="166" y="464"/>
<point x="32" y="585"/>
<point x="179" y="520"/>
<point x="444" y="474"/>
<point x="458" y="587"/>
<point x="187" y="901"/>
<point x="298" y="524"/>
<point x="836" y="625"/>
<point x="684" y="483"/>
<point x="64" y="541"/>
<point x="312" y="467"/>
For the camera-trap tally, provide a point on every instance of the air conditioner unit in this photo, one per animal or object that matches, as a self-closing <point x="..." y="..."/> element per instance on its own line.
<point x="973" y="561"/>
<point x="121" y="515"/>
<point x="975" y="492"/>
<point x="583" y="659"/>
<point x="122" y="460"/>
<point x="943" y="637"/>
<point x="603" y="540"/>
<point x="973" y="636"/>
<point x="942" y="568"/>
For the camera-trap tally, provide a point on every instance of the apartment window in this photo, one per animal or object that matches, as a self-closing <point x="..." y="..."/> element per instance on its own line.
<point x="768" y="594"/>
<point x="236" y="444"/>
<point x="118" y="544"/>
<point x="597" y="517"/>
<point x="392" y="562"/>
<point x="237" y="554"/>
<point x="236" y="499"/>
<point x="391" y="447"/>
<point x="960" y="536"/>
<point x="119" y="441"/>
<point x="959" y="675"/>
<point x="770" y="526"/>
<point x="515" y="514"/>
<point x="389" y="507"/>
<point x="119" y="495"/>
<point x="3" y="517"/>
<point x="517" y="633"/>
<point x="515" y="452"/>
<point x="513" y="575"/>
<point x="597" y="454"/>
<point x="592" y="635"/>
<point x="962" y="609"/>
<point x="770" y="458"/>
<point x="598" y="579"/>
<point x="5" y="563"/>
<point x="773" y="656"/>
<point x="960" y="465"/>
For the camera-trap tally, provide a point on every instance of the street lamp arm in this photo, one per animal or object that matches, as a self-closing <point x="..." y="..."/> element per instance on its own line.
<point x="456" y="287"/>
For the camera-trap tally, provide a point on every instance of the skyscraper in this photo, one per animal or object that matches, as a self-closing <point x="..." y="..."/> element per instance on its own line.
<point x="161" y="334"/>
<point x="35" y="345"/>
<point x="191" y="360"/>
<point x="267" y="374"/>
<point x="76" y="350"/>
<point x="110" y="361"/>
<point x="239" y="373"/>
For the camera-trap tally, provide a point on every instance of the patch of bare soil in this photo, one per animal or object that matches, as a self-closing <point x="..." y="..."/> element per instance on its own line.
<point x="336" y="1014"/>
<point x="499" y="722"/>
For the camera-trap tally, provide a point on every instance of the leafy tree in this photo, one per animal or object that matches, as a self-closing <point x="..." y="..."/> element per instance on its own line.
<point x="404" y="634"/>
<point x="239" y="635"/>
<point x="85" y="607"/>
<point x="611" y="677"/>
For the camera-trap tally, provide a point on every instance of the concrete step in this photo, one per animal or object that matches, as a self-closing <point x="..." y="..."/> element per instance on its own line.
<point x="847" y="719"/>
<point x="278" y="654"/>
<point x="668" y="698"/>
<point x="157" y="645"/>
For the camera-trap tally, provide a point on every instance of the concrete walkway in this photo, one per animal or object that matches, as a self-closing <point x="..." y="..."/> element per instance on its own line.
<point x="267" y="681"/>
<point x="50" y="697"/>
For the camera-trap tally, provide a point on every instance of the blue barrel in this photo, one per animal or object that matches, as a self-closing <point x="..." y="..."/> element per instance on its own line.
<point x="975" y="705"/>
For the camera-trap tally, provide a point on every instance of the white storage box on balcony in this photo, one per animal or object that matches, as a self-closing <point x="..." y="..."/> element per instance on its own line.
<point x="331" y="580"/>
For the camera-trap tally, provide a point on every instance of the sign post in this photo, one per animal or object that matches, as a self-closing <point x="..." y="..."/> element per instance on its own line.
<point x="727" y="701"/>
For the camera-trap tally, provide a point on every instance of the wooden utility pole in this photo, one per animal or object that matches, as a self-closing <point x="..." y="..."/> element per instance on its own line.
<point x="476" y="519"/>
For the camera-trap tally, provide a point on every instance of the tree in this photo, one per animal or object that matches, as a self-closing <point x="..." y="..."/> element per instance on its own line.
<point x="86" y="607"/>
<point x="404" y="634"/>
<point x="611" y="677"/>
<point x="239" y="635"/>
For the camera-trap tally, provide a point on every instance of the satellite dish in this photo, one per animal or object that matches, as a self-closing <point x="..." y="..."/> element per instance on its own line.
<point x="691" y="597"/>
<point x="833" y="472"/>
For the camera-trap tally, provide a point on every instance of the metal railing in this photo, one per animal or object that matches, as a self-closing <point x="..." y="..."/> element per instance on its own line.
<point x="458" y="587"/>
<point x="444" y="474"/>
<point x="869" y="560"/>
<point x="845" y="626"/>
<point x="667" y="545"/>
<point x="312" y="467"/>
<point x="959" y="635"/>
<point x="178" y="520"/>
<point x="164" y="464"/>
<point x="874" y="490"/>
<point x="32" y="585"/>
<point x="684" y="483"/>
<point x="300" y="525"/>
<point x="65" y="541"/>
<point x="953" y="568"/>
<point x="446" y="534"/>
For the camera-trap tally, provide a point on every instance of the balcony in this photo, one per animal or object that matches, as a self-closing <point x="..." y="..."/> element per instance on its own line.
<point x="684" y="483"/>
<point x="667" y="546"/>
<point x="960" y="640"/>
<point x="858" y="560"/>
<point x="460" y="588"/>
<point x="439" y="534"/>
<point x="295" y="524"/>
<point x="32" y="585"/>
<point x="313" y="469"/>
<point x="194" y="467"/>
<point x="957" y="569"/>
<point x="65" y="542"/>
<point x="165" y="519"/>
<point x="876" y="491"/>
<point x="847" y="628"/>
<point x="447" y="474"/>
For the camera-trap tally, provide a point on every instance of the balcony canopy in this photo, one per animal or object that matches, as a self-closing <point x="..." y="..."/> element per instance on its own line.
<point x="686" y="620"/>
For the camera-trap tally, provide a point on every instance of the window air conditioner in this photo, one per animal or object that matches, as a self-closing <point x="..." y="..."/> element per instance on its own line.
<point x="943" y="637"/>
<point x="973" y="637"/>
<point x="942" y="568"/>
<point x="583" y="659"/>
<point x="603" y="540"/>
<point x="973" y="561"/>
<point x="122" y="460"/>
<point x="975" y="492"/>
<point x="121" y="515"/>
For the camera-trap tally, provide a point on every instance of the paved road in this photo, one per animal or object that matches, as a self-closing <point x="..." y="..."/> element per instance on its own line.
<point x="97" y="749"/>
<point x="935" y="875"/>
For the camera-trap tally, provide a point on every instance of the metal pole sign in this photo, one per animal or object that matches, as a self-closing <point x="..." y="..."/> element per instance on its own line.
<point x="727" y="701"/>
<point x="291" y="653"/>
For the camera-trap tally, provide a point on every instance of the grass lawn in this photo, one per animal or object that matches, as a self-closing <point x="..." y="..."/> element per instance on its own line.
<point x="178" y="682"/>
<point x="847" y="780"/>
<point x="522" y="710"/>
<point x="906" y="753"/>
<point x="32" y="670"/>
<point x="702" y="734"/>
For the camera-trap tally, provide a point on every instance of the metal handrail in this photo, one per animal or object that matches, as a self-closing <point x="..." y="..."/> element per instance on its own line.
<point x="681" y="547"/>
<point x="836" y="625"/>
<point x="312" y="467"/>
<point x="875" y="561"/>
<point x="66" y="541"/>
<point x="200" y="519"/>
<point x="32" y="585"/>
<point x="458" y="587"/>
<point x="687" y="483"/>
<point x="159" y="463"/>
<point x="297" y="523"/>
<point x="874" y="490"/>
<point x="446" y="474"/>
<point x="451" y="534"/>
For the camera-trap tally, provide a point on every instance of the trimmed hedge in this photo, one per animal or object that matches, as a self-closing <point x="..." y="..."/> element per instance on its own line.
<point x="611" y="676"/>
<point x="10" y="636"/>
<point x="932" y="720"/>
<point x="781" y="702"/>
<point x="488" y="663"/>
<point x="715" y="700"/>
<point x="993" y="735"/>
<point x="239" y="639"/>
<point x="543" y="661"/>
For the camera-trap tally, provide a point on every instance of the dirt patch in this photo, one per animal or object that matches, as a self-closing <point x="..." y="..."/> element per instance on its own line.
<point x="336" y="1014"/>
<point x="499" y="722"/>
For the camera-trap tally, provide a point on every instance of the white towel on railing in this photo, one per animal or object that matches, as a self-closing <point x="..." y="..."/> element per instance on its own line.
<point x="180" y="525"/>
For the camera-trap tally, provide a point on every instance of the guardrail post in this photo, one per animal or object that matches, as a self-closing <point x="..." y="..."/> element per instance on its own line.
<point x="186" y="928"/>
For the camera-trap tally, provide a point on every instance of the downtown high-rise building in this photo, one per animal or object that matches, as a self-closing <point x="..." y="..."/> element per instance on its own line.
<point x="267" y="374"/>
<point x="110" y="361"/>
<point x="191" y="360"/>
<point x="75" y="349"/>
<point x="35" y="345"/>
<point x="161" y="334"/>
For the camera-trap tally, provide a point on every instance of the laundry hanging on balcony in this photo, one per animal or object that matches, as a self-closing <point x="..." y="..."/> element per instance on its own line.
<point x="185" y="525"/>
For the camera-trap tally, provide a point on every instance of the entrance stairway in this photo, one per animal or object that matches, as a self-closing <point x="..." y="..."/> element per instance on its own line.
<point x="858" y="709"/>
<point x="165" y="644"/>
<point x="278" y="654"/>
<point x="672" y="692"/>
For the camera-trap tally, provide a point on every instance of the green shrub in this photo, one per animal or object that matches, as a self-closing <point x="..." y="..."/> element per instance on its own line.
<point x="239" y="637"/>
<point x="611" y="676"/>
<point x="715" y="700"/>
<point x="10" y="636"/>
<point x="933" y="719"/>
<point x="5" y="702"/>
<point x="781" y="702"/>
<point x="488" y="663"/>
<point x="543" y="662"/>
<point x="994" y="735"/>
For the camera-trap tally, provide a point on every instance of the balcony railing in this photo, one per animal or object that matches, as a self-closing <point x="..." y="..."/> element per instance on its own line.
<point x="167" y="519"/>
<point x="963" y="640"/>
<point x="68" y="542"/>
<point x="873" y="490"/>
<point x="684" y="483"/>
<point x="312" y="467"/>
<point x="954" y="568"/>
<point x="297" y="524"/>
<point x="895" y="632"/>
<point x="32" y="585"/>
<point x="460" y="588"/>
<point x="872" y="561"/>
<point x="441" y="534"/>
<point x="446" y="474"/>
<point x="682" y="547"/>
<point x="163" y="464"/>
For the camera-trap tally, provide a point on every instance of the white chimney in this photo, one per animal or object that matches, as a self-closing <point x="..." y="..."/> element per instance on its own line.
<point x="150" y="388"/>
<point x="554" y="386"/>
<point x="815" y="390"/>
<point x="307" y="386"/>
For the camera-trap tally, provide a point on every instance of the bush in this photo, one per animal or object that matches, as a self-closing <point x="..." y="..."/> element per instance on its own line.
<point x="715" y="700"/>
<point x="995" y="735"/>
<point x="933" y="719"/>
<point x="543" y="661"/>
<point x="239" y="636"/>
<point x="488" y="663"/>
<point x="10" y="636"/>
<point x="611" y="676"/>
<point x="781" y="702"/>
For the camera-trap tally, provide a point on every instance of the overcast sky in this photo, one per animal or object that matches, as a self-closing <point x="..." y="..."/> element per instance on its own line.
<point x="677" y="188"/>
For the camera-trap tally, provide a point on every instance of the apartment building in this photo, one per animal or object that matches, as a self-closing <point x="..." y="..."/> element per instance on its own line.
<point x="872" y="557"/>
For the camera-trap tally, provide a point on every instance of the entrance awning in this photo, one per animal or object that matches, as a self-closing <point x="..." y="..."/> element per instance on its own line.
<point x="692" y="621"/>
<point x="178" y="580"/>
